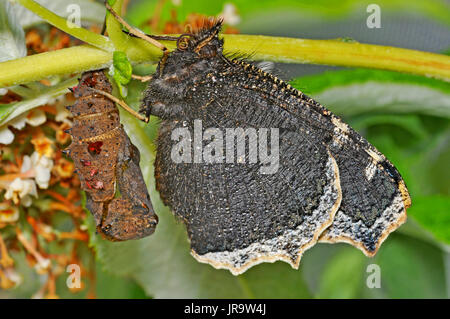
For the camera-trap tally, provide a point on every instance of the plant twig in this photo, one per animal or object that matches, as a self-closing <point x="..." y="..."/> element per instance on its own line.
<point x="65" y="61"/>
<point x="330" y="52"/>
<point x="337" y="52"/>
<point x="278" y="49"/>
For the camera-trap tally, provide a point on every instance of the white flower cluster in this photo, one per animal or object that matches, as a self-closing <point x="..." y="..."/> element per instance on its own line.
<point x="23" y="188"/>
<point x="34" y="118"/>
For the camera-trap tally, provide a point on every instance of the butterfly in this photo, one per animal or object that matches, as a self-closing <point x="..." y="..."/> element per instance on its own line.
<point x="257" y="170"/>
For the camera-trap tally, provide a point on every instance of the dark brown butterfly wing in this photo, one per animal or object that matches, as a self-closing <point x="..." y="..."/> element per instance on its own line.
<point x="237" y="217"/>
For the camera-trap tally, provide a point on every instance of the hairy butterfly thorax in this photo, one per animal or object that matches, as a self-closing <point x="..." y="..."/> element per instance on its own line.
<point x="107" y="163"/>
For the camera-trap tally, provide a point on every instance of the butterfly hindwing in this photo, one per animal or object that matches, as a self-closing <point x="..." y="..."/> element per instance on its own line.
<point x="375" y="198"/>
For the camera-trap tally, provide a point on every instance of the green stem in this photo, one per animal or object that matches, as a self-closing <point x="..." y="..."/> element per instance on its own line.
<point x="40" y="66"/>
<point x="336" y="52"/>
<point x="115" y="29"/>
<point x="330" y="52"/>
<point x="87" y="36"/>
<point x="289" y="50"/>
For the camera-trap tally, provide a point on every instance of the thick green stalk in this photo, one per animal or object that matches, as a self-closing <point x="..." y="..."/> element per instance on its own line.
<point x="40" y="66"/>
<point x="330" y="52"/>
<point x="336" y="52"/>
<point x="289" y="50"/>
<point x="114" y="28"/>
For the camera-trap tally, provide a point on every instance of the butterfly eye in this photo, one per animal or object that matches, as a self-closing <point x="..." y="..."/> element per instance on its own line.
<point x="183" y="41"/>
<point x="107" y="227"/>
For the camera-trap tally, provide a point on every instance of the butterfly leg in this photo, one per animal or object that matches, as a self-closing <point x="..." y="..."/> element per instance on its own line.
<point x="156" y="37"/>
<point x="123" y="104"/>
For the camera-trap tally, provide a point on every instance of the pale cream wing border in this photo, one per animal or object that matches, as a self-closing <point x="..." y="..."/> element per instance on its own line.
<point x="221" y="263"/>
<point x="403" y="199"/>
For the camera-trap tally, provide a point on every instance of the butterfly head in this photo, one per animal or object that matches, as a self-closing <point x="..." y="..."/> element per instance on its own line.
<point x="204" y="41"/>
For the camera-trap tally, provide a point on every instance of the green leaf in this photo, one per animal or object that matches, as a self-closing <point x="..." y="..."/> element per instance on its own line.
<point x="343" y="275"/>
<point x="91" y="11"/>
<point x="314" y="262"/>
<point x="12" y="36"/>
<point x="255" y="13"/>
<point x="122" y="67"/>
<point x="432" y="212"/>
<point x="276" y="280"/>
<point x="411" y="268"/>
<point x="121" y="71"/>
<point x="114" y="287"/>
<point x="314" y="84"/>
<point x="10" y="111"/>
<point x="431" y="168"/>
<point x="353" y="92"/>
<point x="410" y="123"/>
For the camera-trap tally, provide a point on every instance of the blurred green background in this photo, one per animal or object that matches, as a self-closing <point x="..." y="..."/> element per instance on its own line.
<point x="406" y="117"/>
